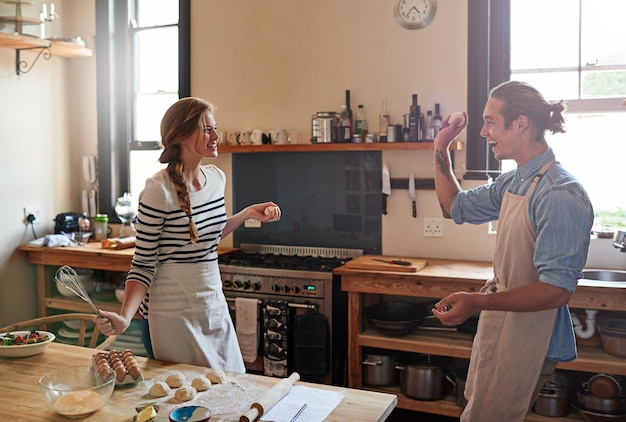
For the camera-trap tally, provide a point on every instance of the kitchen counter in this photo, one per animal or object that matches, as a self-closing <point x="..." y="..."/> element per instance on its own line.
<point x="21" y="400"/>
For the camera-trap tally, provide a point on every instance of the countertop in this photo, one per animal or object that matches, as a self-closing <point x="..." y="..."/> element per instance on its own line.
<point x="21" y="400"/>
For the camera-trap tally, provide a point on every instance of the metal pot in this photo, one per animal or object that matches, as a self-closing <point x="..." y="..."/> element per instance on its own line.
<point x="395" y="318"/>
<point x="380" y="369"/>
<point x="612" y="406"/>
<point x="422" y="381"/>
<point x="324" y="127"/>
<point x="552" y="399"/>
<point x="458" y="381"/>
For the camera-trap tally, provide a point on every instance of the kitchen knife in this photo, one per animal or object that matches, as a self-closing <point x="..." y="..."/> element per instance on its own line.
<point x="412" y="194"/>
<point x="394" y="262"/>
<point x="386" y="187"/>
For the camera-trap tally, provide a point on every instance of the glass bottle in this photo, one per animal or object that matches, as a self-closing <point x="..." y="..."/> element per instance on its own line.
<point x="360" y="123"/>
<point x="345" y="129"/>
<point x="414" y="116"/>
<point x="436" y="120"/>
<point x="384" y="120"/>
<point x="430" y="129"/>
<point x="349" y="112"/>
<point x="126" y="214"/>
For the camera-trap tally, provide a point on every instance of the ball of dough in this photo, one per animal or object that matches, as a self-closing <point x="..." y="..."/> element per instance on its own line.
<point x="185" y="393"/>
<point x="216" y="376"/>
<point x="456" y="119"/>
<point x="201" y="384"/>
<point x="159" y="389"/>
<point x="175" y="379"/>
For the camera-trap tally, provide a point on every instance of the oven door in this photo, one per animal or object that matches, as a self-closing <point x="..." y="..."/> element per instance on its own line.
<point x="302" y="327"/>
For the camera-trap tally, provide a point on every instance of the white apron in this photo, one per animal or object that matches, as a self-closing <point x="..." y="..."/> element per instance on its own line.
<point x="510" y="347"/>
<point x="189" y="319"/>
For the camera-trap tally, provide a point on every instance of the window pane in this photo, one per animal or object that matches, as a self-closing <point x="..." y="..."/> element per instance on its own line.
<point x="142" y="165"/>
<point x="161" y="12"/>
<point x="554" y="86"/>
<point x="535" y="23"/>
<point x="603" y="84"/>
<point x="157" y="49"/>
<point x="593" y="150"/>
<point x="602" y="31"/>
<point x="148" y="113"/>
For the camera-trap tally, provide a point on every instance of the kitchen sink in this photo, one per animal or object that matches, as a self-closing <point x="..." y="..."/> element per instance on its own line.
<point x="604" y="275"/>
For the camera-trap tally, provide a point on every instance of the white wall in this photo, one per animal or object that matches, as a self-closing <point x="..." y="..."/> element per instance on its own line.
<point x="265" y="65"/>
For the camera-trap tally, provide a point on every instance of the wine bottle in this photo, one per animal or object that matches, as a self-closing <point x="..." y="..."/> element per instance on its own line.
<point x="436" y="119"/>
<point x="349" y="112"/>
<point x="414" y="115"/>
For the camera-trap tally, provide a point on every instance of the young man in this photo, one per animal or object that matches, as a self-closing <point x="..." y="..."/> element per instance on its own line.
<point x="544" y="222"/>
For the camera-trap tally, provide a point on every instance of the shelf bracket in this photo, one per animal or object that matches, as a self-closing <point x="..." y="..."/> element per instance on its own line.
<point x="22" y="66"/>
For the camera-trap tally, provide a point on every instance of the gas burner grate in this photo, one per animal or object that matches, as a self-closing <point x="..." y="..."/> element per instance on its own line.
<point x="306" y="251"/>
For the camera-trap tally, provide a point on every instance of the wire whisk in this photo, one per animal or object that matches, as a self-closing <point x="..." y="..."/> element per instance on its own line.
<point x="67" y="277"/>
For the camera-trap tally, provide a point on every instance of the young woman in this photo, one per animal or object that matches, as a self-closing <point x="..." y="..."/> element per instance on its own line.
<point x="174" y="279"/>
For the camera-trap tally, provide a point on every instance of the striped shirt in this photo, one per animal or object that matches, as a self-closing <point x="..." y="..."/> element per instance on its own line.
<point x="163" y="227"/>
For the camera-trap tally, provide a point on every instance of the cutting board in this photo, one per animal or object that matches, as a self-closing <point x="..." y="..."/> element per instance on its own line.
<point x="368" y="262"/>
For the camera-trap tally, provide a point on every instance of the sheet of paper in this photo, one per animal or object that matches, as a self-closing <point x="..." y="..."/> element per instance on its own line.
<point x="319" y="404"/>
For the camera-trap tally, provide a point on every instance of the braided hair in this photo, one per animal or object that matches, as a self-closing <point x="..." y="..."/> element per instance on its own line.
<point x="520" y="98"/>
<point x="179" y="122"/>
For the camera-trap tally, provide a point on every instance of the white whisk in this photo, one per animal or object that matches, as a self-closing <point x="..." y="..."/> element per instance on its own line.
<point x="67" y="277"/>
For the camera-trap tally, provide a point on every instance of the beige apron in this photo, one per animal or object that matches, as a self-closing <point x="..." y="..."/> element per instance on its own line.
<point x="510" y="347"/>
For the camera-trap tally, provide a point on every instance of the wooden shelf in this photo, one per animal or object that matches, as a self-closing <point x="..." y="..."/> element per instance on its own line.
<point x="441" y="343"/>
<point x="379" y="146"/>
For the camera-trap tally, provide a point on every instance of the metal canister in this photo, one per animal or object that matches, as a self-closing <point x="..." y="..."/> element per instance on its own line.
<point x="324" y="127"/>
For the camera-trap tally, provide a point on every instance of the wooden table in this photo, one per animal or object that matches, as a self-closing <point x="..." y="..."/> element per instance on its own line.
<point x="21" y="400"/>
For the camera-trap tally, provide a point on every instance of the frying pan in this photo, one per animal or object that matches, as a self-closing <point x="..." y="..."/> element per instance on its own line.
<point x="396" y="319"/>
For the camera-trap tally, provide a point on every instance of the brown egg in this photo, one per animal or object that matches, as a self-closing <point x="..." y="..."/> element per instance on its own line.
<point x="113" y="353"/>
<point x="117" y="364"/>
<point x="115" y="359"/>
<point x="104" y="372"/>
<point x="129" y="359"/>
<point x="134" y="372"/>
<point x="120" y="372"/>
<point x="126" y="353"/>
<point x="100" y="361"/>
<point x="98" y="356"/>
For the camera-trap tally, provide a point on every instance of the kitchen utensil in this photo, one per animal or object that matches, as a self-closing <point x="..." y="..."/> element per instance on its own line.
<point x="458" y="380"/>
<point x="590" y="416"/>
<point x="395" y="319"/>
<point x="75" y="392"/>
<point x="613" y="336"/>
<point x="394" y="262"/>
<point x="299" y="412"/>
<point x="379" y="369"/>
<point x="422" y="381"/>
<point x="324" y="127"/>
<point x="370" y="262"/>
<point x="257" y="137"/>
<point x="604" y="386"/>
<point x="279" y="136"/>
<point x="269" y="399"/>
<point x="386" y="187"/>
<point x="552" y="400"/>
<point x="613" y="406"/>
<point x="412" y="194"/>
<point x="190" y="414"/>
<point x="67" y="277"/>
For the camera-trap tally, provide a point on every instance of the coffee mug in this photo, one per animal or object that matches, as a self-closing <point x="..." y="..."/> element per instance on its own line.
<point x="232" y="138"/>
<point x="256" y="138"/>
<point x="222" y="138"/>
<point x="244" y="137"/>
<point x="279" y="136"/>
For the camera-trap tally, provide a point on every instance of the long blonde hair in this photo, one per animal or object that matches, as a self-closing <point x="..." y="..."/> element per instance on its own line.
<point x="179" y="122"/>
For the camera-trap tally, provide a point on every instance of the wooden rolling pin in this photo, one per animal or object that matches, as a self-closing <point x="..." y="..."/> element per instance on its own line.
<point x="269" y="399"/>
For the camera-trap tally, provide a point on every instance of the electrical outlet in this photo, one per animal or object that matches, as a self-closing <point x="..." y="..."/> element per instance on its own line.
<point x="433" y="227"/>
<point x="35" y="211"/>
<point x="251" y="223"/>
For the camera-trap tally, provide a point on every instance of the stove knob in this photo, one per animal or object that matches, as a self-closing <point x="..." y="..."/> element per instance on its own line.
<point x="296" y="289"/>
<point x="237" y="284"/>
<point x="286" y="289"/>
<point x="276" y="288"/>
<point x="246" y="285"/>
<point x="227" y="283"/>
<point x="256" y="286"/>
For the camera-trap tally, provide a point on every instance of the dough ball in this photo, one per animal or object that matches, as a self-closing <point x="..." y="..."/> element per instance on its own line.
<point x="216" y="376"/>
<point x="159" y="389"/>
<point x="185" y="393"/>
<point x="201" y="384"/>
<point x="456" y="119"/>
<point x="175" y="379"/>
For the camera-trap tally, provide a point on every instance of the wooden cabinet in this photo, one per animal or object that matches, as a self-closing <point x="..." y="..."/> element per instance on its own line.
<point x="437" y="280"/>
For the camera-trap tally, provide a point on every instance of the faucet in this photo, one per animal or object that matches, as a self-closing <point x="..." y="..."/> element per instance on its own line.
<point x="620" y="241"/>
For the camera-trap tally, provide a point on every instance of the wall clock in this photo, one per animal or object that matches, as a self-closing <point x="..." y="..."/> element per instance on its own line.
<point x="415" y="14"/>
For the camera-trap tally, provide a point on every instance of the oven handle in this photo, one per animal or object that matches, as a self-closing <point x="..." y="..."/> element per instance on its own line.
<point x="291" y="305"/>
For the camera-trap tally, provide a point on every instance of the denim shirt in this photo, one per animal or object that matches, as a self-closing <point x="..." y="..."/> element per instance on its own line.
<point x="562" y="216"/>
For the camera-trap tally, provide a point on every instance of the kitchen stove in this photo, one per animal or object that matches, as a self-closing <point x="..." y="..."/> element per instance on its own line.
<point x="300" y="276"/>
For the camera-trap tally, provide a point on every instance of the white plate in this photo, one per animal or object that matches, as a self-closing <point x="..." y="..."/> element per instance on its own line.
<point x="24" y="350"/>
<point x="67" y="333"/>
<point x="75" y="324"/>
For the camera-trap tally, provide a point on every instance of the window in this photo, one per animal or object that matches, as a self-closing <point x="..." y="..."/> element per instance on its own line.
<point x="143" y="67"/>
<point x="570" y="50"/>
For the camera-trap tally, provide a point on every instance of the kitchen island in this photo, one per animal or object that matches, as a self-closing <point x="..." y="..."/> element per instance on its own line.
<point x="21" y="400"/>
<point x="436" y="280"/>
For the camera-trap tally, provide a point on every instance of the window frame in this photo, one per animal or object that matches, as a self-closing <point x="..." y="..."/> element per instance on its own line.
<point x="114" y="87"/>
